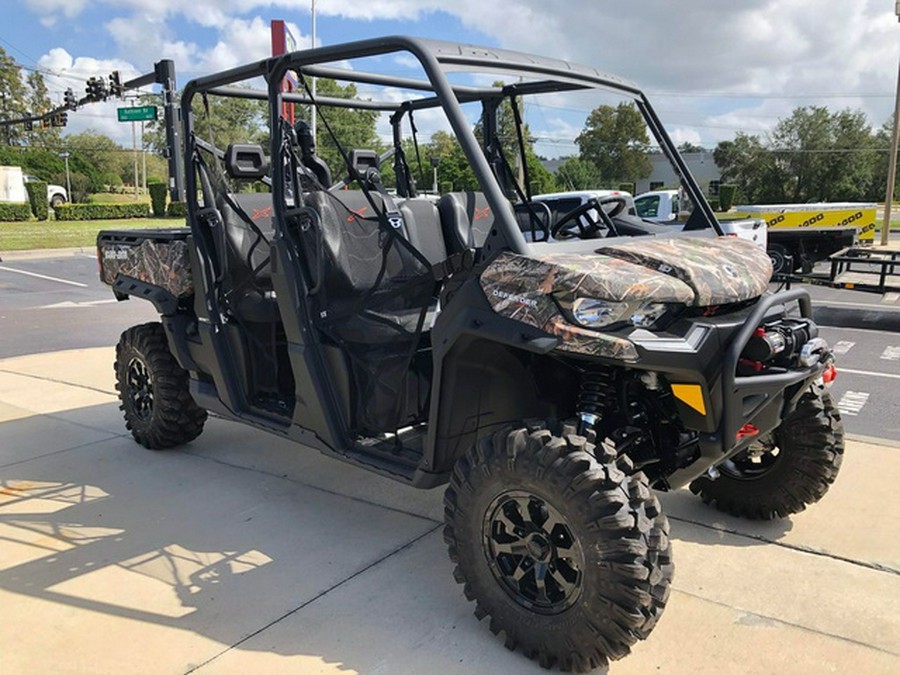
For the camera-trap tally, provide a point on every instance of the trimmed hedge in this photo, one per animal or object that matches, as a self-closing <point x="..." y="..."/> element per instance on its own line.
<point x="726" y="195"/>
<point x="37" y="197"/>
<point x="177" y="210"/>
<point x="101" y="211"/>
<point x="627" y="187"/>
<point x="714" y="203"/>
<point x="158" y="198"/>
<point x="16" y="212"/>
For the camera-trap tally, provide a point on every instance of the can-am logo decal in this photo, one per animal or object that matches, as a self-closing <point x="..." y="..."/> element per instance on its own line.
<point x="510" y="297"/>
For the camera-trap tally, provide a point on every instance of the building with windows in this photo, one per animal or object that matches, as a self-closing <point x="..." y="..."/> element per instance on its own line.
<point x="701" y="165"/>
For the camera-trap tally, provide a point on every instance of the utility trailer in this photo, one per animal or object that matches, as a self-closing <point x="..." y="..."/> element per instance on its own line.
<point x="857" y="268"/>
<point x="800" y="235"/>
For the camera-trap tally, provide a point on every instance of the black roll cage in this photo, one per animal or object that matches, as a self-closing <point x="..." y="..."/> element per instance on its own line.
<point x="436" y="58"/>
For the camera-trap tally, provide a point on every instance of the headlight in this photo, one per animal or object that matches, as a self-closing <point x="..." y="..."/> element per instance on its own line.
<point x="596" y="313"/>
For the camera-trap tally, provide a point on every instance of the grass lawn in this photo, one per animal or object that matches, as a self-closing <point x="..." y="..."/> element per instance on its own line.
<point x="67" y="234"/>
<point x="124" y="198"/>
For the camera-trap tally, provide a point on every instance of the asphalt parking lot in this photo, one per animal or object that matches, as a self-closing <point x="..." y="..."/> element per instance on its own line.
<point x="245" y="553"/>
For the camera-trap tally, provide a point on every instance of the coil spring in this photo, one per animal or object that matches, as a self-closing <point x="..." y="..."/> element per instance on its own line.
<point x="597" y="394"/>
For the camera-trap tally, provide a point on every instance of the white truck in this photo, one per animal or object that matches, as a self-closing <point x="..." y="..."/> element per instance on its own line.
<point x="669" y="207"/>
<point x="12" y="187"/>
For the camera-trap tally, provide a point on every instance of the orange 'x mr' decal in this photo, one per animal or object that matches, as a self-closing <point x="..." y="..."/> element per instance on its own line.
<point x="262" y="213"/>
<point x="480" y="214"/>
<point x="358" y="213"/>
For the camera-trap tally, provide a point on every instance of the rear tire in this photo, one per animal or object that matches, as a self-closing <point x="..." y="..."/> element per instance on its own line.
<point x="577" y="591"/>
<point x="154" y="390"/>
<point x="57" y="201"/>
<point x="803" y="461"/>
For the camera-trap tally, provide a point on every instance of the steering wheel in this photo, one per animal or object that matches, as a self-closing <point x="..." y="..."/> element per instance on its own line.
<point x="562" y="229"/>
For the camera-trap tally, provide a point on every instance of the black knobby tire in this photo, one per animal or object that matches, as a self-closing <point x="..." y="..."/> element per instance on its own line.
<point x="810" y="447"/>
<point x="608" y="527"/>
<point x="154" y="390"/>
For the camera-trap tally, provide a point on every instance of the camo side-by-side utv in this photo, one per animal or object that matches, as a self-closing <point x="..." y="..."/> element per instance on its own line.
<point x="553" y="383"/>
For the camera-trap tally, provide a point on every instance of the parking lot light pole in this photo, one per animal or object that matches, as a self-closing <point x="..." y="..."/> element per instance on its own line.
<point x="892" y="162"/>
<point x="65" y="157"/>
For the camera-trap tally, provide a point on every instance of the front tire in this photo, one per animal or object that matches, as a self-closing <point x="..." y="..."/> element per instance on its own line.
<point x="795" y="466"/>
<point x="153" y="390"/>
<point x="563" y="551"/>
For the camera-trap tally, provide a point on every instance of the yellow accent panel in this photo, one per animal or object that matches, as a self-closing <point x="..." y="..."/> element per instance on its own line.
<point x="692" y="394"/>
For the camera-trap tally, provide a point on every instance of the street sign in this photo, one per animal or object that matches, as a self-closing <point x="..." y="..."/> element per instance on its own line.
<point x="140" y="113"/>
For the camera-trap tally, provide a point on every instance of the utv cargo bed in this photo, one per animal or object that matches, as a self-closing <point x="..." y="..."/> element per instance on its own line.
<point x="135" y="261"/>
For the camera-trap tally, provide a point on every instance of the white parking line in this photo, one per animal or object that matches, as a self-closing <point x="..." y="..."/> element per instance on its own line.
<point x="852" y="402"/>
<point x="890" y="298"/>
<point x="890" y="354"/>
<point x="842" y="347"/>
<point x="829" y="303"/>
<point x="43" y="276"/>
<point x="68" y="304"/>
<point x="867" y="372"/>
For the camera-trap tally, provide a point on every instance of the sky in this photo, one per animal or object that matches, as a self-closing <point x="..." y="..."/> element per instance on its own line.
<point x="711" y="68"/>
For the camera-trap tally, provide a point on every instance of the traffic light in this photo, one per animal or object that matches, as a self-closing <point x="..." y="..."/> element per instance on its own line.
<point x="60" y="119"/>
<point x="29" y="125"/>
<point x="96" y="89"/>
<point x="115" y="84"/>
<point x="45" y="123"/>
<point x="69" y="99"/>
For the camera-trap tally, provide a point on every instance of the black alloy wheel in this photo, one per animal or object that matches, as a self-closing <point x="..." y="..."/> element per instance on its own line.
<point x="532" y="552"/>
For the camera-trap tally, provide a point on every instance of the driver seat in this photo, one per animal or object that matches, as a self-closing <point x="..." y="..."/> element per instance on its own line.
<point x="466" y="218"/>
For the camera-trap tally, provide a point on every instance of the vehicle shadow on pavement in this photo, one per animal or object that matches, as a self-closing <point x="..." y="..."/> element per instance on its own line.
<point x="693" y="521"/>
<point x="208" y="561"/>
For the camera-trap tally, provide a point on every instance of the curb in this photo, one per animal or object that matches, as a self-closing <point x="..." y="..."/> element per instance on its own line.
<point x="38" y="253"/>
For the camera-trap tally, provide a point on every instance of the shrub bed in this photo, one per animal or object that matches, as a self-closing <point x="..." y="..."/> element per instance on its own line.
<point x="15" y="212"/>
<point x="37" y="197"/>
<point x="177" y="210"/>
<point x="158" y="198"/>
<point x="101" y="211"/>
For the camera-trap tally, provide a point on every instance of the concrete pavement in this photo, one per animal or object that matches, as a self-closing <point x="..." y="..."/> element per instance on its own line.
<point x="245" y="553"/>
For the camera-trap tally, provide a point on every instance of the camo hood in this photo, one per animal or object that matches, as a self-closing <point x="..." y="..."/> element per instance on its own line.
<point x="718" y="271"/>
<point x="690" y="272"/>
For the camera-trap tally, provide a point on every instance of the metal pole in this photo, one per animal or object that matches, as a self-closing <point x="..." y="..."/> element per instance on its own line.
<point x="892" y="163"/>
<point x="134" y="152"/>
<point x="68" y="179"/>
<point x="312" y="108"/>
<point x="143" y="161"/>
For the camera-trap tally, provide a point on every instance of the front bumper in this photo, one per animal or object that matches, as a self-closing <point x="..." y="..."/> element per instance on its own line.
<point x="728" y="412"/>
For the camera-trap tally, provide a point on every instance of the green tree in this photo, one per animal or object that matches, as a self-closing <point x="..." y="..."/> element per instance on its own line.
<point x="13" y="99"/>
<point x="882" y="142"/>
<point x="615" y="140"/>
<point x="752" y="168"/>
<point x="576" y="173"/>
<point x="352" y="128"/>
<point x="453" y="166"/>
<point x="106" y="158"/>
<point x="37" y="102"/>
<point x="687" y="147"/>
<point x="540" y="179"/>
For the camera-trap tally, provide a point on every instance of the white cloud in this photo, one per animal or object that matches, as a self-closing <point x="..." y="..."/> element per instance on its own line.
<point x="693" y="47"/>
<point x="68" y="71"/>
<point x="51" y="9"/>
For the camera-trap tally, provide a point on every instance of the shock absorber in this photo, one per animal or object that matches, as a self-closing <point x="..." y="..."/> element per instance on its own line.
<point x="597" y="395"/>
